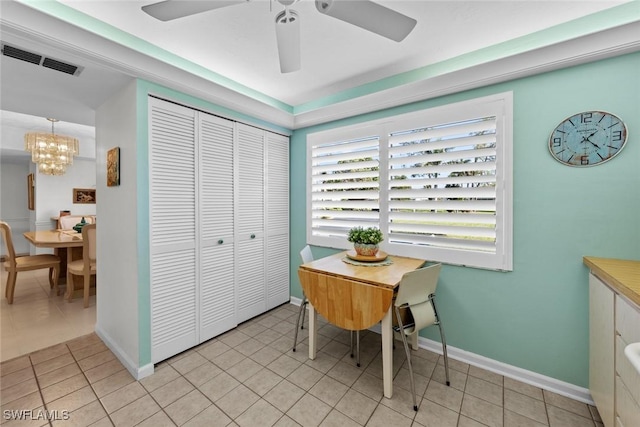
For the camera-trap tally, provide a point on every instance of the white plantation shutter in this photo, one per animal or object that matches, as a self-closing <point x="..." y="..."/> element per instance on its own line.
<point x="344" y="186"/>
<point x="442" y="186"/>
<point x="172" y="228"/>
<point x="444" y="193"/>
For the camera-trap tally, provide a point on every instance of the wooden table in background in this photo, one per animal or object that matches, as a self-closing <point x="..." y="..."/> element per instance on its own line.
<point x="67" y="244"/>
<point x="355" y="298"/>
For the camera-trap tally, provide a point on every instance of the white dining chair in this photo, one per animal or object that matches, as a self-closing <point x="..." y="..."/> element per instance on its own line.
<point x="417" y="294"/>
<point x="307" y="256"/>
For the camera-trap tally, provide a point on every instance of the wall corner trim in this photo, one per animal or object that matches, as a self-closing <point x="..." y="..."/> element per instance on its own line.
<point x="138" y="372"/>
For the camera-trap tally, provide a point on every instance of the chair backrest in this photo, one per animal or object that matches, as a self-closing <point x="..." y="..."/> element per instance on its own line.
<point x="69" y="221"/>
<point x="89" y="243"/>
<point x="415" y="289"/>
<point x="306" y="254"/>
<point x="5" y="230"/>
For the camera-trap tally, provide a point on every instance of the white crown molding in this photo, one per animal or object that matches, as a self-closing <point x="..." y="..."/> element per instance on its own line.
<point x="606" y="44"/>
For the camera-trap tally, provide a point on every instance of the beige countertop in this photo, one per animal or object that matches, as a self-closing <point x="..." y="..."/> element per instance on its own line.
<point x="622" y="275"/>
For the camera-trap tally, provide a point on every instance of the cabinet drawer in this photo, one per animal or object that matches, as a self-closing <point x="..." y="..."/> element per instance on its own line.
<point x="627" y="321"/>
<point x="626" y="372"/>
<point x="626" y="408"/>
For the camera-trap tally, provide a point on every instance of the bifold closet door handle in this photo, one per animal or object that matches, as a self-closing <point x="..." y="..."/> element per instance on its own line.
<point x="220" y="241"/>
<point x="253" y="236"/>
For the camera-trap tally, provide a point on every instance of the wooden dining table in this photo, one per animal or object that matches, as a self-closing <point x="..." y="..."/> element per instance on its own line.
<point x="67" y="244"/>
<point x="355" y="297"/>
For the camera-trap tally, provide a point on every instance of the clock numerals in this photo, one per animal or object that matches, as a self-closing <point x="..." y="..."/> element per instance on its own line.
<point x="586" y="117"/>
<point x="616" y="135"/>
<point x="557" y="142"/>
<point x="584" y="160"/>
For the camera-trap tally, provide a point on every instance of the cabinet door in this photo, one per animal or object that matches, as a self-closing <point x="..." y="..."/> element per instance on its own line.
<point x="277" y="219"/>
<point x="216" y="188"/>
<point x="601" y="349"/>
<point x="250" y="255"/>
<point x="172" y="228"/>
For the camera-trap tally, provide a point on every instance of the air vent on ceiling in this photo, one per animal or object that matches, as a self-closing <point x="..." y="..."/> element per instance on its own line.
<point x="35" y="58"/>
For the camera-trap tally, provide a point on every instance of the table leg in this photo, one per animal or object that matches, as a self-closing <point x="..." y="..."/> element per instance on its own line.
<point x="313" y="331"/>
<point x="387" y="354"/>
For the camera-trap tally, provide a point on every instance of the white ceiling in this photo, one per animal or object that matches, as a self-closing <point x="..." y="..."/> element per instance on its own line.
<point x="238" y="44"/>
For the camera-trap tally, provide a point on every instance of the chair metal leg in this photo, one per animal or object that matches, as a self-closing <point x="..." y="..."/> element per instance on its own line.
<point x="303" y="306"/>
<point x="358" y="349"/>
<point x="357" y="346"/>
<point x="444" y="341"/>
<point x="406" y="350"/>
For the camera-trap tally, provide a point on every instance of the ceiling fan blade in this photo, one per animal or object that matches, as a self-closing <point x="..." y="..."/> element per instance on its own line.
<point x="288" y="37"/>
<point x="369" y="16"/>
<point x="174" y="9"/>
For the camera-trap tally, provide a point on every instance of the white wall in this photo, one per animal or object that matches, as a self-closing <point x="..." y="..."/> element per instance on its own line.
<point x="13" y="201"/>
<point x="55" y="193"/>
<point x="117" y="250"/>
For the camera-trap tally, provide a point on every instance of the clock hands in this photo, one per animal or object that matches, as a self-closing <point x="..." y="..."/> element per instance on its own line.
<point x="586" y="139"/>
<point x="589" y="141"/>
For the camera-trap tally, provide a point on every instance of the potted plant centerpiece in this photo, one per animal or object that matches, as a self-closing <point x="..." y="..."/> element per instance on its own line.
<point x="365" y="240"/>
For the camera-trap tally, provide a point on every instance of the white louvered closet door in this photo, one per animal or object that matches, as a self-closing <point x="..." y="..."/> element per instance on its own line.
<point x="217" y="280"/>
<point x="172" y="228"/>
<point x="250" y="257"/>
<point x="277" y="219"/>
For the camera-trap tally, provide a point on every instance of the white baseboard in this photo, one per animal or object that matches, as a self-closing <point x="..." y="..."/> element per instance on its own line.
<point x="544" y="382"/>
<point x="137" y="372"/>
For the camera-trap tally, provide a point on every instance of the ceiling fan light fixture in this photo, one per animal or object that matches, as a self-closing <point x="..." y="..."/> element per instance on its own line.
<point x="288" y="37"/>
<point x="369" y="16"/>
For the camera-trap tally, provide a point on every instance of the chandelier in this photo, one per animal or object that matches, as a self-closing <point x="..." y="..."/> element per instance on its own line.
<point x="52" y="153"/>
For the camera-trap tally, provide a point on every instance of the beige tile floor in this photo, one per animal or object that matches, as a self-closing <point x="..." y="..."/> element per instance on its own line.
<point x="250" y="377"/>
<point x="39" y="318"/>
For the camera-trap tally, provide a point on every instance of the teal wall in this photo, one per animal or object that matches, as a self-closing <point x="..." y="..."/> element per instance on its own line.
<point x="535" y="317"/>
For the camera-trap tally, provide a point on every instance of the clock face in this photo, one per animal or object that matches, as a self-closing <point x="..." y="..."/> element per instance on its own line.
<point x="588" y="138"/>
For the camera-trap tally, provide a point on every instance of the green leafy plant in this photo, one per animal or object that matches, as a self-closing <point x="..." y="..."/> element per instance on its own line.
<point x="366" y="236"/>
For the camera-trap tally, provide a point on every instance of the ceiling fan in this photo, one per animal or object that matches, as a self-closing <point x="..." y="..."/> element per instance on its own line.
<point x="362" y="13"/>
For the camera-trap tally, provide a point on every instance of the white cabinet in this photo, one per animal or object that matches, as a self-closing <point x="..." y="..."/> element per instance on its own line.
<point x="219" y="230"/>
<point x="614" y="322"/>
<point x="601" y="348"/>
<point x="627" y="378"/>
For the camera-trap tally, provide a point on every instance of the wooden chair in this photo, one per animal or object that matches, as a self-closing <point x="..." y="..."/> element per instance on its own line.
<point x="86" y="266"/>
<point x="417" y="294"/>
<point x="15" y="264"/>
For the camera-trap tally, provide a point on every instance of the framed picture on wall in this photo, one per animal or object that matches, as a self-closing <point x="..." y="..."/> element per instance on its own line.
<point x="113" y="167"/>
<point x="31" y="192"/>
<point x="84" y="195"/>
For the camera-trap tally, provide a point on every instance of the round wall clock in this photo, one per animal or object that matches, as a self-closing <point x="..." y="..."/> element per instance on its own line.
<point x="588" y="138"/>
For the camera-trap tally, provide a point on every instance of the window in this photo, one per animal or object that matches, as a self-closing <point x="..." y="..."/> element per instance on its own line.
<point x="437" y="182"/>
